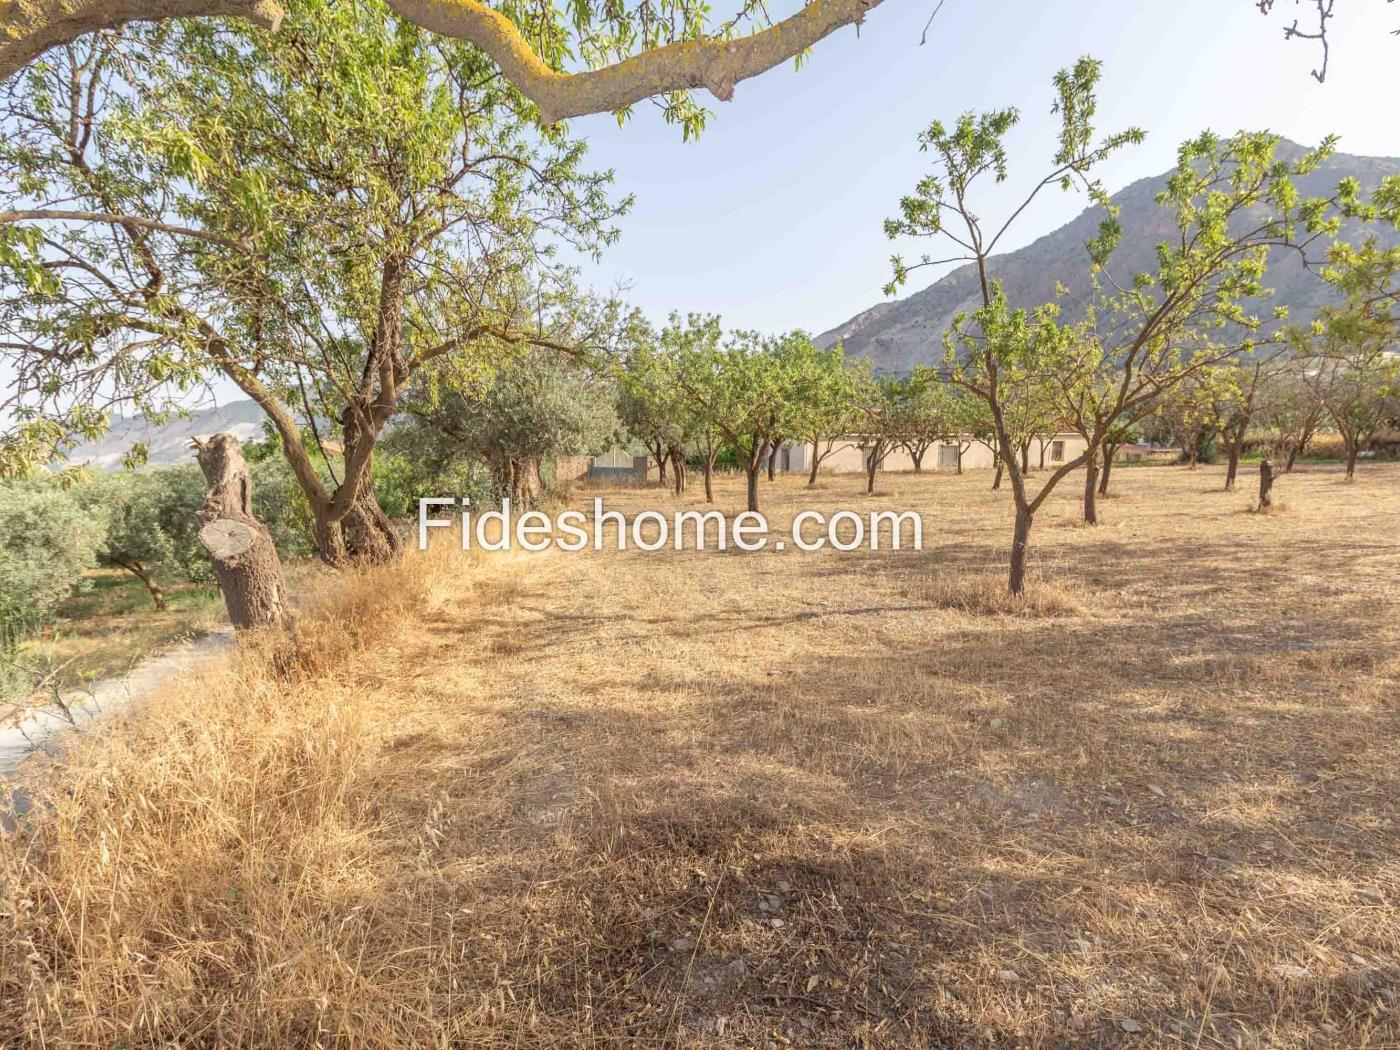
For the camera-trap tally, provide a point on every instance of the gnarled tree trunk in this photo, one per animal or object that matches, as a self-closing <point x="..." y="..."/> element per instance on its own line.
<point x="245" y="558"/>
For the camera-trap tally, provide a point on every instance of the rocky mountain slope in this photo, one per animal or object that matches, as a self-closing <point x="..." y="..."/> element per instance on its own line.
<point x="168" y="442"/>
<point x="897" y="335"/>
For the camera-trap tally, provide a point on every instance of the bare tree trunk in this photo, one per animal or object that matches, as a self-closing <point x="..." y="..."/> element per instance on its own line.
<point x="752" y="472"/>
<point x="1266" y="484"/>
<point x="872" y="464"/>
<point x="709" y="477"/>
<point x="677" y="468"/>
<point x="1020" y="546"/>
<point x="1091" y="488"/>
<point x="918" y="458"/>
<point x="1043" y="445"/>
<point x="960" y="454"/>
<point x="1353" y="446"/>
<point x="996" y="478"/>
<point x="1109" y="452"/>
<point x="1298" y="448"/>
<point x="245" y="559"/>
<point x="773" y="457"/>
<point x="1026" y="456"/>
<point x="1233" y="467"/>
<point x="816" y="464"/>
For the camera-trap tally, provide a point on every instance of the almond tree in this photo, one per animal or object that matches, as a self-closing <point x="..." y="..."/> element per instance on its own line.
<point x="1351" y="345"/>
<point x="1290" y="408"/>
<point x="827" y="407"/>
<point x="1189" y="412"/>
<point x="1237" y="402"/>
<point x="881" y="399"/>
<point x="1234" y="201"/>
<point x="743" y="388"/>
<point x="315" y="215"/>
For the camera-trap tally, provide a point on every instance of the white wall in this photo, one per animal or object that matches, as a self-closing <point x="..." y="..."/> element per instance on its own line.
<point x="848" y="458"/>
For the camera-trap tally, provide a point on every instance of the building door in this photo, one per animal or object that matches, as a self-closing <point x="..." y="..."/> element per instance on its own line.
<point x="947" y="457"/>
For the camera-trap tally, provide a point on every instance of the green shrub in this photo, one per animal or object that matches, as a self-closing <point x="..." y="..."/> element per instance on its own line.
<point x="49" y="537"/>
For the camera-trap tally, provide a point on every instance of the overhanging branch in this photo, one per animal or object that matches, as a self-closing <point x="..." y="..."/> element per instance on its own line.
<point x="30" y="27"/>
<point x="716" y="65"/>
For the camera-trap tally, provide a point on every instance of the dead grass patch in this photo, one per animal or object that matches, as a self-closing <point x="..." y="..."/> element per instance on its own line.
<point x="985" y="594"/>
<point x="692" y="800"/>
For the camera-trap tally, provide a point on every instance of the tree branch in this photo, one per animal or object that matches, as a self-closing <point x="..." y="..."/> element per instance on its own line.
<point x="716" y="65"/>
<point x="42" y="214"/>
<point x="30" y="27"/>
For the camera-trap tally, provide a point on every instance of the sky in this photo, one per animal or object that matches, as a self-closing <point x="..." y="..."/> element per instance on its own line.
<point x="773" y="218"/>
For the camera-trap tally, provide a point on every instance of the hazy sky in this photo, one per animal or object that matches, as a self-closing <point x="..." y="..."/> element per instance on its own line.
<point x="773" y="218"/>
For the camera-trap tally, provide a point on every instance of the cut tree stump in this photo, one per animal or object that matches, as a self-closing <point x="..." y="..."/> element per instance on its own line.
<point x="245" y="558"/>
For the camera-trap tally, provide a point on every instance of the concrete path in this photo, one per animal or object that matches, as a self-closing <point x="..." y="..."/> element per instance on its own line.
<point x="40" y="729"/>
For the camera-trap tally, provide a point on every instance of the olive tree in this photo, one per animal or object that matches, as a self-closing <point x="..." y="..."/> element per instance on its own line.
<point x="49" y="537"/>
<point x="153" y="526"/>
<point x="530" y="411"/>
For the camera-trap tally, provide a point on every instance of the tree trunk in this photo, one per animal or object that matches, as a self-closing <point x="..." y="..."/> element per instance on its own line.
<point x="661" y="467"/>
<point x="1352" y="448"/>
<point x="1020" y="545"/>
<point x="773" y="457"/>
<point x="996" y="478"/>
<point x="918" y="458"/>
<point x="526" y="485"/>
<point x="1266" y="484"/>
<point x="144" y="575"/>
<point x="1233" y="467"/>
<point x="1043" y="445"/>
<point x="872" y="464"/>
<point x="370" y="537"/>
<point x="816" y="465"/>
<point x="709" y="478"/>
<point x="1026" y="457"/>
<point x="752" y="473"/>
<point x="677" y="469"/>
<point x="245" y="559"/>
<point x="1091" y="489"/>
<point x="1109" y="451"/>
<point x="960" y="454"/>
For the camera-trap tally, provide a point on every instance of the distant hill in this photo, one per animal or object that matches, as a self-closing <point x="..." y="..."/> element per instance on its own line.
<point x="898" y="334"/>
<point x="168" y="442"/>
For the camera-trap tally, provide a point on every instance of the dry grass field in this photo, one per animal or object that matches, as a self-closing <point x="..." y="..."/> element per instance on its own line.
<point x="769" y="799"/>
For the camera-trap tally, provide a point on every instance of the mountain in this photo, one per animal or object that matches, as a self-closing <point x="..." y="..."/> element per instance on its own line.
<point x="168" y="442"/>
<point x="898" y="334"/>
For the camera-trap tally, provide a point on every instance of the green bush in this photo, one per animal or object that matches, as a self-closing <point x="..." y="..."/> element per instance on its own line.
<point x="49" y="537"/>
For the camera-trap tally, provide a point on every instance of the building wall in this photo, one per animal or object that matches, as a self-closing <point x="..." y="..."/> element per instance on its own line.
<point x="848" y="457"/>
